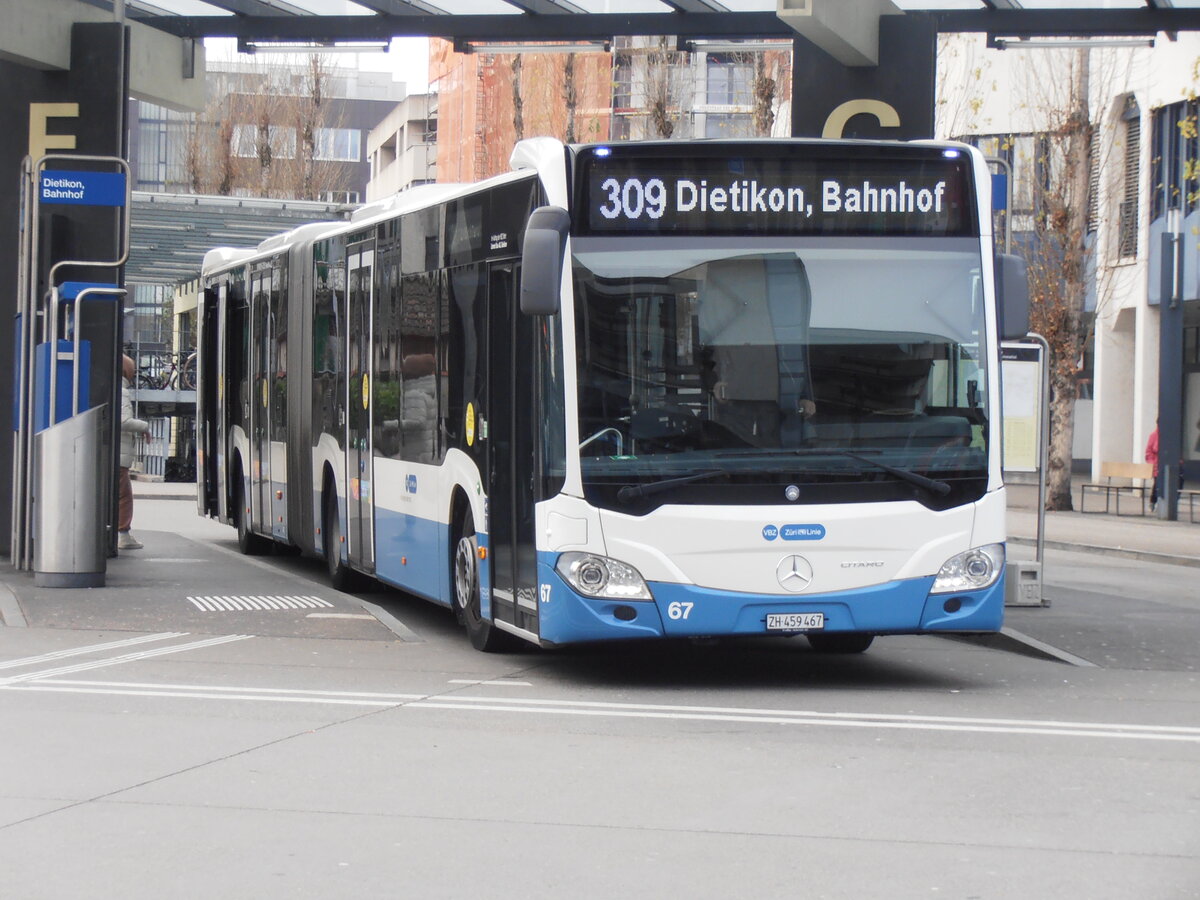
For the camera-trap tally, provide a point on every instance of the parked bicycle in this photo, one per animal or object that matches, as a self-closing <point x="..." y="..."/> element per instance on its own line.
<point x="164" y="372"/>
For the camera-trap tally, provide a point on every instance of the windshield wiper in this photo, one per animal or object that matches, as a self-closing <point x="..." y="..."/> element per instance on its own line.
<point x="634" y="491"/>
<point x="940" y="488"/>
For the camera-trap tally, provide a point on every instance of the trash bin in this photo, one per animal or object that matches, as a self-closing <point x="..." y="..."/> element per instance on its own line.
<point x="69" y="549"/>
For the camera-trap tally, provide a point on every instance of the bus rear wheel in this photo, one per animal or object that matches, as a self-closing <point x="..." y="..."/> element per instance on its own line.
<point x="850" y="642"/>
<point x="467" y="597"/>
<point x="249" y="543"/>
<point x="341" y="576"/>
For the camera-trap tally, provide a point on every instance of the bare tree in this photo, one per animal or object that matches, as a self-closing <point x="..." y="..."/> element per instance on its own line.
<point x="518" y="101"/>
<point x="570" y="97"/>
<point x="1076" y="247"/>
<point x="1058" y="270"/>
<point x="262" y="133"/>
<point x="666" y="75"/>
<point x="310" y="113"/>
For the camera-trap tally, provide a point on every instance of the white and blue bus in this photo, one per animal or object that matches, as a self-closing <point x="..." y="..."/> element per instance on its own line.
<point x="633" y="391"/>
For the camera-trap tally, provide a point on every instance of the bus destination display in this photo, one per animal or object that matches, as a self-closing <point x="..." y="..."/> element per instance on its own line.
<point x="923" y="196"/>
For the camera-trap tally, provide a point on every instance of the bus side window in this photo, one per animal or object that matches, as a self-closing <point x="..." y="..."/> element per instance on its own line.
<point x="467" y="341"/>
<point x="387" y="380"/>
<point x="418" y="383"/>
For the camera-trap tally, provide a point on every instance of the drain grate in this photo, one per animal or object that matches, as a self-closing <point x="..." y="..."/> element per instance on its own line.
<point x="257" y="604"/>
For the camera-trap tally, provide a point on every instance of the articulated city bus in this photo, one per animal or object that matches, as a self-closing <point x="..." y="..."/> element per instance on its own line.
<point x="633" y="391"/>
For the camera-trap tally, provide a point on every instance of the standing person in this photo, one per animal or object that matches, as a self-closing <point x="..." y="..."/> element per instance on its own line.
<point x="1152" y="458"/>
<point x="129" y="428"/>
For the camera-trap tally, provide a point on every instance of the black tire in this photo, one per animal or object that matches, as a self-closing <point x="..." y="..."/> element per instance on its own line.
<point x="187" y="378"/>
<point x="464" y="571"/>
<point x="341" y="576"/>
<point x="249" y="543"/>
<point x="846" y="642"/>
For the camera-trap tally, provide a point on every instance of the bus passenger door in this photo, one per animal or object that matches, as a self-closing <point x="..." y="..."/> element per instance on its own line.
<point x="207" y="403"/>
<point x="360" y="260"/>
<point x="234" y="389"/>
<point x="260" y="397"/>
<point x="511" y="459"/>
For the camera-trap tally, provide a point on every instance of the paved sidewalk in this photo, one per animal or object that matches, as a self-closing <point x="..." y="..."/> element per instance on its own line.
<point x="164" y="490"/>
<point x="1145" y="538"/>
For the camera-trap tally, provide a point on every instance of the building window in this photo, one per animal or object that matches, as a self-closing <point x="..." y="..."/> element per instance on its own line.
<point x="729" y="79"/>
<point x="339" y="144"/>
<point x="1174" y="158"/>
<point x="622" y="81"/>
<point x="1127" y="225"/>
<point x="281" y="140"/>
<point x="340" y="197"/>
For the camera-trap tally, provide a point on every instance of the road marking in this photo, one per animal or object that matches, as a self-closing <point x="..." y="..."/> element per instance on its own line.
<point x="752" y="715"/>
<point x="257" y="603"/>
<point x="340" y="616"/>
<point x="93" y="648"/>
<point x="210" y="694"/>
<point x="840" y="720"/>
<point x="128" y="657"/>
<point x="386" y="696"/>
<point x="498" y="683"/>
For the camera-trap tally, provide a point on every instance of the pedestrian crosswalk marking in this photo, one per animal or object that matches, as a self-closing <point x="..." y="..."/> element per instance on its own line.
<point x="255" y="603"/>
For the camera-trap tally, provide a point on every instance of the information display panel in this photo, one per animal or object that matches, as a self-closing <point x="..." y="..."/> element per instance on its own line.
<point x="1021" y="373"/>
<point x="765" y="189"/>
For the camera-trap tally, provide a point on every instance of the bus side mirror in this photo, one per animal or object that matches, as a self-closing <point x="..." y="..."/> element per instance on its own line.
<point x="1012" y="291"/>
<point x="542" y="260"/>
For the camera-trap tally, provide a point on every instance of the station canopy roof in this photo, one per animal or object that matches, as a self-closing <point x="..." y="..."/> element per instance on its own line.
<point x="170" y="233"/>
<point x="330" y="23"/>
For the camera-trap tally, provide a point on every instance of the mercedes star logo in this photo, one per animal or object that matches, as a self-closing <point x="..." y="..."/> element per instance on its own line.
<point x="795" y="573"/>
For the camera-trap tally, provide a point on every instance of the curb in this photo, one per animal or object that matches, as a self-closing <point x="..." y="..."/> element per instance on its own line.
<point x="10" y="609"/>
<point x="1121" y="552"/>
<point x="1009" y="640"/>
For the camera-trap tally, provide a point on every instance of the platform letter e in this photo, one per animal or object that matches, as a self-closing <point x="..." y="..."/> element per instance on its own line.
<point x="41" y="143"/>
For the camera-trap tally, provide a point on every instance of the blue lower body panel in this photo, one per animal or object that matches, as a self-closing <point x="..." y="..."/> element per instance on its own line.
<point x="410" y="553"/>
<point x="680" y="610"/>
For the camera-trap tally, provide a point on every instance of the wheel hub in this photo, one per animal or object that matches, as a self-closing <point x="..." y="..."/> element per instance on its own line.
<point x="464" y="572"/>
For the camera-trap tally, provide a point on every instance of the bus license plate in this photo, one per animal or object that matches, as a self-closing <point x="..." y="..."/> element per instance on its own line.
<point x="795" y="621"/>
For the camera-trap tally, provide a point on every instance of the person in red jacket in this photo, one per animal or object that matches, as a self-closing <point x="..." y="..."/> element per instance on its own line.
<point x="1152" y="458"/>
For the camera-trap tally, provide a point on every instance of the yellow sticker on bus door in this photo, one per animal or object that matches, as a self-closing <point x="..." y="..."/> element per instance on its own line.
<point x="366" y="389"/>
<point x="470" y="424"/>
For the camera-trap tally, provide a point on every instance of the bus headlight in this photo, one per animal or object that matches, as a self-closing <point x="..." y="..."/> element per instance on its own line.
<point x="971" y="571"/>
<point x="599" y="576"/>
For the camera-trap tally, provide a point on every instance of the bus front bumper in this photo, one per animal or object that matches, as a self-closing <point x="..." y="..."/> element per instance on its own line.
<point x="681" y="610"/>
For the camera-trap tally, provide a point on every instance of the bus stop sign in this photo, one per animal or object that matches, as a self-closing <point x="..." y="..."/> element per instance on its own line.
<point x="82" y="188"/>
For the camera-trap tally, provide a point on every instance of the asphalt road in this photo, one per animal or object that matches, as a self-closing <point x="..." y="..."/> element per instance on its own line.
<point x="155" y="748"/>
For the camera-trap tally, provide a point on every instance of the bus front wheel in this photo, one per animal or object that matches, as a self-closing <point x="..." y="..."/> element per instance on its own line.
<point x="467" y="599"/>
<point x="850" y="642"/>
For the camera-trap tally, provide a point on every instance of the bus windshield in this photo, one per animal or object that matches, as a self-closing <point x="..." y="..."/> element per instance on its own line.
<point x="829" y="367"/>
